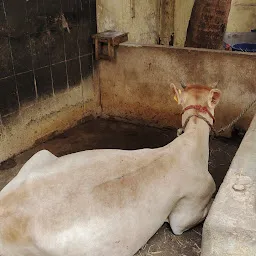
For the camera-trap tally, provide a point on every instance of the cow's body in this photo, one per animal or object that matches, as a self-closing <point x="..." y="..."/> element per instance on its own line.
<point x="105" y="202"/>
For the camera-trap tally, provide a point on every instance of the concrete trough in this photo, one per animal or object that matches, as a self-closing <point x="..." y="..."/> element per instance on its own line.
<point x="230" y="228"/>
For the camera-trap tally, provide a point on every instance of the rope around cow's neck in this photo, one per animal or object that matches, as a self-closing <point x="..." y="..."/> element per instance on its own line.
<point x="181" y="130"/>
<point x="216" y="133"/>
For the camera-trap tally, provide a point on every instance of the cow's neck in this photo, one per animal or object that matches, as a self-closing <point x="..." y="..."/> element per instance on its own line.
<point x="198" y="127"/>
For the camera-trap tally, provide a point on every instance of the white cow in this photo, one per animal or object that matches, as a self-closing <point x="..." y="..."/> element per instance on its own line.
<point x="111" y="202"/>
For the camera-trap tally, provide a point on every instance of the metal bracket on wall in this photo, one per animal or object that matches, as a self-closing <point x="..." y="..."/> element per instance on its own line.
<point x="110" y="39"/>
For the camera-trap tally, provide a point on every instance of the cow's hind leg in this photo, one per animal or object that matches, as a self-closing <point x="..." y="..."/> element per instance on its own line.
<point x="33" y="165"/>
<point x="187" y="215"/>
<point x="38" y="160"/>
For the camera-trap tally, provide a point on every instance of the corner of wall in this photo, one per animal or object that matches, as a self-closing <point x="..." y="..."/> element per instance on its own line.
<point x="51" y="115"/>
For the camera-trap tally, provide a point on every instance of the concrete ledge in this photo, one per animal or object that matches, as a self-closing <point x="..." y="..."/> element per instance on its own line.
<point x="230" y="228"/>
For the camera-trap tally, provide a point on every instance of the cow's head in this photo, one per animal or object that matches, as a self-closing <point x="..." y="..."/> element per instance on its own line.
<point x="206" y="96"/>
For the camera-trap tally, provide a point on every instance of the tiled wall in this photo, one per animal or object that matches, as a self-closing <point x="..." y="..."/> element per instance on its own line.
<point x="45" y="47"/>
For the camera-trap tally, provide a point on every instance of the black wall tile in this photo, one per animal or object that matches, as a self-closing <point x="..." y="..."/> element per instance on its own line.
<point x="52" y="8"/>
<point x="5" y="58"/>
<point x="40" y="50"/>
<point x="70" y="11"/>
<point x="84" y="13"/>
<point x="55" y="30"/>
<point x="37" y="39"/>
<point x="71" y="43"/>
<point x="39" y="35"/>
<point x="86" y="66"/>
<point x="16" y="17"/>
<point x="74" y="75"/>
<point x="8" y="97"/>
<point x="21" y="53"/>
<point x="4" y="31"/>
<point x="36" y="17"/>
<point x="26" y="87"/>
<point x="56" y="47"/>
<point x="53" y="15"/>
<point x="43" y="81"/>
<point x="59" y="75"/>
<point x="2" y="15"/>
<point x="84" y="41"/>
<point x="93" y="18"/>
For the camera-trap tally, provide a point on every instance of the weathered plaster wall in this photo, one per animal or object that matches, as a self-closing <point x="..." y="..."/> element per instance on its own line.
<point x="166" y="22"/>
<point x="147" y="20"/>
<point x="47" y="117"/>
<point x="242" y="17"/>
<point x="183" y="9"/>
<point x="136" y="85"/>
<point x="139" y="18"/>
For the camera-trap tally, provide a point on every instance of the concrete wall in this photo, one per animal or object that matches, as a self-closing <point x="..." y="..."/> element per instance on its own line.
<point x="47" y="117"/>
<point x="136" y="85"/>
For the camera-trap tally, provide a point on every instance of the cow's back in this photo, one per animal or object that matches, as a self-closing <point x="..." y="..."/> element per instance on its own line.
<point x="82" y="192"/>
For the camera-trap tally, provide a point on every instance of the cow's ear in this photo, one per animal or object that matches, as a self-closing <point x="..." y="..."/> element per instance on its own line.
<point x="214" y="98"/>
<point x="177" y="93"/>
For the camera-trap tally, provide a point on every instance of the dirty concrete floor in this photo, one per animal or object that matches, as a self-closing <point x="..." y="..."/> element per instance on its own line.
<point x="101" y="133"/>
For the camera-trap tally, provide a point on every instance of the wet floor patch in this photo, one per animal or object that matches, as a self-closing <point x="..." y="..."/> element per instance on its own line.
<point x="99" y="133"/>
<point x="8" y="164"/>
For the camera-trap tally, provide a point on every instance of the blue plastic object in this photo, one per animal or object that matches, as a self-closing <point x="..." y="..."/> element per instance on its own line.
<point x="244" y="47"/>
